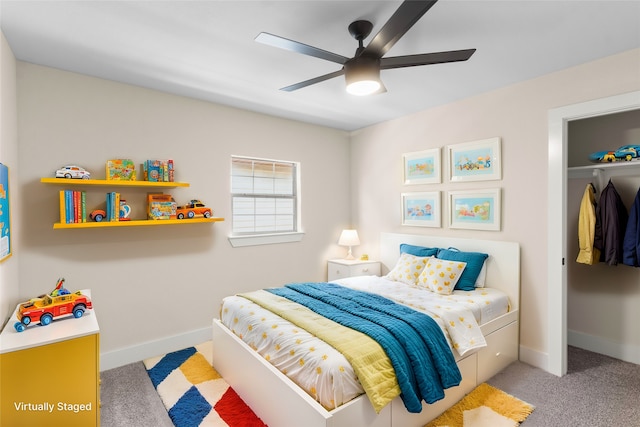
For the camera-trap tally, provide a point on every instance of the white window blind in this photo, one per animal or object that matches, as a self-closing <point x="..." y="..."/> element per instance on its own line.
<point x="264" y="196"/>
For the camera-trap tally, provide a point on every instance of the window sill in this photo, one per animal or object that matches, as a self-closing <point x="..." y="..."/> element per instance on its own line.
<point x="264" y="239"/>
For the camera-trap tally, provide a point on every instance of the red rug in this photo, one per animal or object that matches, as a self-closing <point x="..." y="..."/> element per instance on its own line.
<point x="194" y="393"/>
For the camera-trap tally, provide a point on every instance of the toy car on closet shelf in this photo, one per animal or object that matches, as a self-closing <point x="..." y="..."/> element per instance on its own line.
<point x="44" y="308"/>
<point x="626" y="152"/>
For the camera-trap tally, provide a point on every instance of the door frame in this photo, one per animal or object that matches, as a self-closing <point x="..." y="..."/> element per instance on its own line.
<point x="559" y="119"/>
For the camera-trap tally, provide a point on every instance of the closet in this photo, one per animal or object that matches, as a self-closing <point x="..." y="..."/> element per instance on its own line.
<point x="603" y="302"/>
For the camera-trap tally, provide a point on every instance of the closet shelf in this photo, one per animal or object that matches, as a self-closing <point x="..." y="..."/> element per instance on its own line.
<point x="602" y="171"/>
<point x="617" y="168"/>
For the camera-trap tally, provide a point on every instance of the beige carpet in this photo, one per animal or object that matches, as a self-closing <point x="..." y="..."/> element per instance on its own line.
<point x="486" y="406"/>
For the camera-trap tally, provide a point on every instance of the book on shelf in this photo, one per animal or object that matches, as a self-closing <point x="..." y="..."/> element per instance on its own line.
<point x="112" y="211"/>
<point x="83" y="202"/>
<point x="158" y="170"/>
<point x="63" y="206"/>
<point x="161" y="206"/>
<point x="121" y="170"/>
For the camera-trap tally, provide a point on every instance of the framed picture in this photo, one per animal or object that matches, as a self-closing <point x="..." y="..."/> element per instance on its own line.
<point x="421" y="209"/>
<point x="475" y="161"/>
<point x="475" y="210"/>
<point x="5" y="220"/>
<point x="422" y="167"/>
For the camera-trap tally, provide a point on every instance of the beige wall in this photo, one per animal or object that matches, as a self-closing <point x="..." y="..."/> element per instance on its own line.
<point x="154" y="282"/>
<point x="517" y="114"/>
<point x="9" y="156"/>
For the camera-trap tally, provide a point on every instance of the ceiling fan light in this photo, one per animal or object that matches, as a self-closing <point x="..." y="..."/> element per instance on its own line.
<point x="363" y="87"/>
<point x="362" y="75"/>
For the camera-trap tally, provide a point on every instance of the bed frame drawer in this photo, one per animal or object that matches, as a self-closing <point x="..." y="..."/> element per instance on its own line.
<point x="501" y="351"/>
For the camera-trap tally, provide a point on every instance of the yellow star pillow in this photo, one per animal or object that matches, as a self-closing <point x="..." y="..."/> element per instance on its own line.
<point x="440" y="276"/>
<point x="407" y="269"/>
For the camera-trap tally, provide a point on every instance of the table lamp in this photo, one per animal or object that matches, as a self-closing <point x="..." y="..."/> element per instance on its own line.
<point x="349" y="238"/>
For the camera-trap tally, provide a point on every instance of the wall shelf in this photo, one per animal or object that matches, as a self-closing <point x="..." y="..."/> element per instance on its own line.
<point x="132" y="223"/>
<point x="112" y="183"/>
<point x="136" y="223"/>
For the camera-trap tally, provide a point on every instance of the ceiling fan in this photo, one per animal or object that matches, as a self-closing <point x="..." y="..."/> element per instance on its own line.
<point x="362" y="72"/>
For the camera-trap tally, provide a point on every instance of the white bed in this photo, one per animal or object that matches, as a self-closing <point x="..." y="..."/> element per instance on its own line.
<point x="279" y="402"/>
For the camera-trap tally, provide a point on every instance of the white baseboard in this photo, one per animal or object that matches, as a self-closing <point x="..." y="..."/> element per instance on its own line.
<point x="534" y="358"/>
<point x="622" y="351"/>
<point x="124" y="356"/>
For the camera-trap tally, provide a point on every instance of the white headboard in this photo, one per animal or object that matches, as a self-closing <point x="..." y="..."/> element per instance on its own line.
<point x="503" y="264"/>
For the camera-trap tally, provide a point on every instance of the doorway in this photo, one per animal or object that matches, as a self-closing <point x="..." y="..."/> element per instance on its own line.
<point x="557" y="217"/>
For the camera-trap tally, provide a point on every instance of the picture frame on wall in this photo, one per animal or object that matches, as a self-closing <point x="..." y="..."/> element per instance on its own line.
<point x="421" y="209"/>
<point x="475" y="209"/>
<point x="5" y="217"/>
<point x="475" y="161"/>
<point x="422" y="167"/>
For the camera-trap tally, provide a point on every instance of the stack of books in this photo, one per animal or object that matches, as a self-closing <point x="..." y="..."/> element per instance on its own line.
<point x="72" y="206"/>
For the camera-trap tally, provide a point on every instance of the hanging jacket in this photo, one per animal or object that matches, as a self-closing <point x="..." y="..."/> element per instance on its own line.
<point x="611" y="223"/>
<point x="631" y="243"/>
<point x="587" y="227"/>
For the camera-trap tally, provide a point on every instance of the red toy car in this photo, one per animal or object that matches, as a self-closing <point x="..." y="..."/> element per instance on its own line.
<point x="98" y="215"/>
<point x="60" y="302"/>
<point x="191" y="209"/>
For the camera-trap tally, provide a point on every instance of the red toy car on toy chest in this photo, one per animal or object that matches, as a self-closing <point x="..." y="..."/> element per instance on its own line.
<point x="60" y="302"/>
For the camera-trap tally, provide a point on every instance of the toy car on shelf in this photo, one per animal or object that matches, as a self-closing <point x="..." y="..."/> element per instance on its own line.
<point x="192" y="209"/>
<point x="75" y="172"/>
<point x="97" y="215"/>
<point x="43" y="309"/>
<point x="626" y="152"/>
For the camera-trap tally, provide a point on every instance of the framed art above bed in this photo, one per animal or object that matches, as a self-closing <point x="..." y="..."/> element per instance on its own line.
<point x="422" y="167"/>
<point x="475" y="209"/>
<point x="421" y="209"/>
<point x="475" y="161"/>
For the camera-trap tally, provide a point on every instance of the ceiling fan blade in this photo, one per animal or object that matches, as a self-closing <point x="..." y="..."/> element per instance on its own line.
<point x="401" y="21"/>
<point x="310" y="82"/>
<point x="294" y="46"/>
<point x="425" y="59"/>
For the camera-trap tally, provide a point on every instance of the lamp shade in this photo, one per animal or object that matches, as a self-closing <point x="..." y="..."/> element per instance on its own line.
<point x="349" y="238"/>
<point x="362" y="75"/>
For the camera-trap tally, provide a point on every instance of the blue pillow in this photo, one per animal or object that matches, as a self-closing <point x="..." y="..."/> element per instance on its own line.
<point x="417" y="250"/>
<point x="474" y="260"/>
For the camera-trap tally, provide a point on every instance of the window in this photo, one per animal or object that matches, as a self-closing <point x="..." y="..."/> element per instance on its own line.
<point x="264" y="197"/>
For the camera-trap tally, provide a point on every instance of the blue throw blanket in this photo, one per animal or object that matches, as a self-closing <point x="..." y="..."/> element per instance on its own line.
<point x="415" y="344"/>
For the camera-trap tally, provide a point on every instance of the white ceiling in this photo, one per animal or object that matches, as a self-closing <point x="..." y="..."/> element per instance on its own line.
<point x="206" y="49"/>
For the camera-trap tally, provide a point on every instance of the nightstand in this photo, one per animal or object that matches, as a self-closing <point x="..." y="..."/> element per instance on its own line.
<point x="341" y="268"/>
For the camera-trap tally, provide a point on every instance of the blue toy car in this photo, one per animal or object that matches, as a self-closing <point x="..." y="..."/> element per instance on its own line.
<point x="626" y="152"/>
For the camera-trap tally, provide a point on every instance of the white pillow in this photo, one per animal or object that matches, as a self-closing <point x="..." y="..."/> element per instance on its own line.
<point x="482" y="276"/>
<point x="440" y="276"/>
<point x="408" y="269"/>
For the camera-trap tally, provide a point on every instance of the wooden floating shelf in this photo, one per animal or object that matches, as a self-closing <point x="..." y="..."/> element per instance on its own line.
<point x="112" y="183"/>
<point x="135" y="223"/>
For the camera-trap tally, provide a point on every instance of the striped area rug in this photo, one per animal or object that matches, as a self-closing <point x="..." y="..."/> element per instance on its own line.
<point x="485" y="406"/>
<point x="194" y="393"/>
